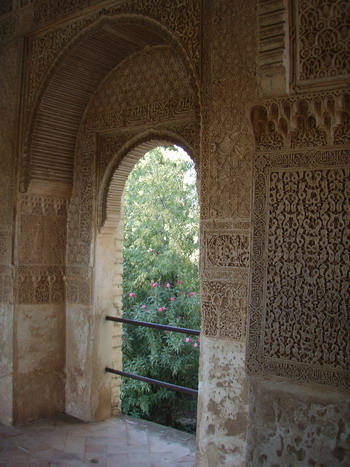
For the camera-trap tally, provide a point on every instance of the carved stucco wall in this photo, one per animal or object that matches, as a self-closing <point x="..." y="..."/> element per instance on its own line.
<point x="298" y="342"/>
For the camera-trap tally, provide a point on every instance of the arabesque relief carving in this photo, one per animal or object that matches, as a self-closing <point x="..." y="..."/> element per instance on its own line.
<point x="224" y="309"/>
<point x="301" y="264"/>
<point x="228" y="85"/>
<point x="304" y="121"/>
<point x="40" y="284"/>
<point x="323" y="39"/>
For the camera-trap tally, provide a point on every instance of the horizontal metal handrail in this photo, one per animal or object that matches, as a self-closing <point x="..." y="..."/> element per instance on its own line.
<point x="163" y="327"/>
<point x="155" y="382"/>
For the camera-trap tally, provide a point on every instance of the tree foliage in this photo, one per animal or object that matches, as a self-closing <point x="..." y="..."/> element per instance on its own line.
<point x="161" y="222"/>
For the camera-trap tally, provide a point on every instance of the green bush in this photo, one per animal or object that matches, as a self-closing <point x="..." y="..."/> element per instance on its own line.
<point x="161" y="285"/>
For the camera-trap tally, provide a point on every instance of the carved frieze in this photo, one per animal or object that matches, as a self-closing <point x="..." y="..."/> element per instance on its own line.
<point x="300" y="288"/>
<point x="304" y="121"/>
<point x="40" y="284"/>
<point x="322" y="46"/>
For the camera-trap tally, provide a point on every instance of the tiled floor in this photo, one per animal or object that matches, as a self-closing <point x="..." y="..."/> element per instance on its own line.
<point x="64" y="441"/>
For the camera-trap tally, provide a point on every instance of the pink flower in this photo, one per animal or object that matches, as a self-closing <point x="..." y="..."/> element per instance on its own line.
<point x="198" y="340"/>
<point x="131" y="294"/>
<point x="168" y="285"/>
<point x="172" y="299"/>
<point x="154" y="284"/>
<point x="195" y="345"/>
<point x="187" y="339"/>
<point x="162" y="308"/>
<point x="143" y="306"/>
<point x="191" y="294"/>
<point x="179" y="282"/>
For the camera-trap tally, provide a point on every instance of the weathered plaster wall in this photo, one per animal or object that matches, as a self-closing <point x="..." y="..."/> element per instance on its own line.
<point x="294" y="424"/>
<point x="39" y="361"/>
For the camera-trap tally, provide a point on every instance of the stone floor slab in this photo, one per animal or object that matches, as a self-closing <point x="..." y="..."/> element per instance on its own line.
<point x="64" y="441"/>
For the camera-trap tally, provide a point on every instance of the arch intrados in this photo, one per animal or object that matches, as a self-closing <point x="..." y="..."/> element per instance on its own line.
<point x="51" y="85"/>
<point x="113" y="182"/>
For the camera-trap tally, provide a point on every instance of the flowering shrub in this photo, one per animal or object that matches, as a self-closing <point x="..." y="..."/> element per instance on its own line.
<point x="166" y="356"/>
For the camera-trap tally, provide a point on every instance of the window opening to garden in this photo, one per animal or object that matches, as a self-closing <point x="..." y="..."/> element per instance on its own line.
<point x="161" y="285"/>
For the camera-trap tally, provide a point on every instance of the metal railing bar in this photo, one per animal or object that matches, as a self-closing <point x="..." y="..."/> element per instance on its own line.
<point x="155" y="382"/>
<point x="163" y="327"/>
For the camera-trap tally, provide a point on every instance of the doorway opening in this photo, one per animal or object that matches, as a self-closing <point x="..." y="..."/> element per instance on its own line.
<point x="161" y="285"/>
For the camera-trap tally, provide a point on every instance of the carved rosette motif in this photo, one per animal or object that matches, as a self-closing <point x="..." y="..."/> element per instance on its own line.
<point x="304" y="121"/>
<point x="323" y="40"/>
<point x="300" y="283"/>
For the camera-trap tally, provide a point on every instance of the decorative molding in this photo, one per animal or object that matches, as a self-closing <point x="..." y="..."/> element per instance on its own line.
<point x="300" y="276"/>
<point x="303" y="121"/>
<point x="273" y="45"/>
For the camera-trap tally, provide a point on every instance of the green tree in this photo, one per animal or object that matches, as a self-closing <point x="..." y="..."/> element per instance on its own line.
<point x="161" y="284"/>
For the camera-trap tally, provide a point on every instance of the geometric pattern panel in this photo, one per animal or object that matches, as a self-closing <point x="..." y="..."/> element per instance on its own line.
<point x="300" y="287"/>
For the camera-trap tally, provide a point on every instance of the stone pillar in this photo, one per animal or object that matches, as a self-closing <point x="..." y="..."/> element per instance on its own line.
<point x="229" y="83"/>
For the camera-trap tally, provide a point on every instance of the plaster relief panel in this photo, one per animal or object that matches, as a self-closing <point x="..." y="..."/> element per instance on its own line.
<point x="229" y="84"/>
<point x="300" y="285"/>
<point x="224" y="309"/>
<point x="322" y="46"/>
<point x="42" y="219"/>
<point x="40" y="284"/>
